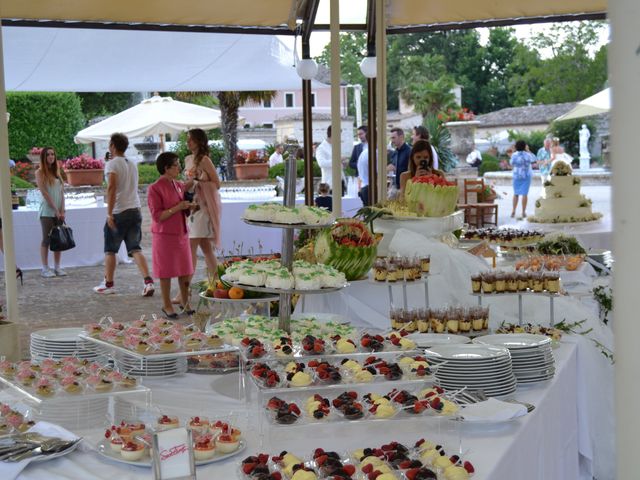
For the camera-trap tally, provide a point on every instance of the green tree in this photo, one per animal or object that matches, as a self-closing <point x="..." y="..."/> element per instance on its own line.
<point x="460" y="48"/>
<point x="426" y="84"/>
<point x="498" y="54"/>
<point x="40" y="119"/>
<point x="353" y="48"/>
<point x="572" y="72"/>
<point x="103" y="104"/>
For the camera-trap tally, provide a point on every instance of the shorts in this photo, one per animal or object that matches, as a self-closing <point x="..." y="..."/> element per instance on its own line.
<point x="128" y="229"/>
<point x="47" y="224"/>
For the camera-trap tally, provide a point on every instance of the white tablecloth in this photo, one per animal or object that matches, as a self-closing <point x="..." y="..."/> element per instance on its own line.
<point x="542" y="445"/>
<point x="87" y="223"/>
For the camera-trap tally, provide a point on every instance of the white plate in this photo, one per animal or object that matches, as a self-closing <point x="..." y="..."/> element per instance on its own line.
<point x="105" y="450"/>
<point x="453" y="376"/>
<point x="468" y="353"/>
<point x="435" y="339"/>
<point x="57" y="334"/>
<point x="513" y="340"/>
<point x="477" y="385"/>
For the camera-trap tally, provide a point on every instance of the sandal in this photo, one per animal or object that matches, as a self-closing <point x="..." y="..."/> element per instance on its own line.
<point x="187" y="310"/>
<point x="170" y="316"/>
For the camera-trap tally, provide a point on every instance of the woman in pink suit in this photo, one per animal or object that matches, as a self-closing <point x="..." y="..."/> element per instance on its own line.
<point x="170" y="249"/>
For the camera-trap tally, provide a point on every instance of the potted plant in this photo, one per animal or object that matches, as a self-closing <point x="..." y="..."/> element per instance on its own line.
<point x="488" y="194"/>
<point x="252" y="165"/>
<point x="34" y="155"/>
<point x="84" y="170"/>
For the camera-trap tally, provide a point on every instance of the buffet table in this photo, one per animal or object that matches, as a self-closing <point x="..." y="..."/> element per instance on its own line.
<point x="87" y="222"/>
<point x="544" y="444"/>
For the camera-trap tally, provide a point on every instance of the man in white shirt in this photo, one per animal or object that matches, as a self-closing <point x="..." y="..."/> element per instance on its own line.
<point x="276" y="157"/>
<point x="324" y="157"/>
<point x="124" y="219"/>
<point x="363" y="174"/>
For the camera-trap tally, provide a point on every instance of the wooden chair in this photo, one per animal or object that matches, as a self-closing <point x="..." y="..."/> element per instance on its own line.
<point x="478" y="214"/>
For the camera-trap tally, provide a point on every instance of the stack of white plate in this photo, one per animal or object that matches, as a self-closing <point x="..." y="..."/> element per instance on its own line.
<point x="426" y="340"/>
<point x="531" y="355"/>
<point x="57" y="343"/>
<point x="474" y="367"/>
<point x="74" y="413"/>
<point x="137" y="367"/>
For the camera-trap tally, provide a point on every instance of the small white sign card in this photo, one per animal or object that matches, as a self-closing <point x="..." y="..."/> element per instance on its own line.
<point x="172" y="456"/>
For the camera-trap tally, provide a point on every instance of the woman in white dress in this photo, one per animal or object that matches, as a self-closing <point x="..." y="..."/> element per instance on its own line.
<point x="202" y="180"/>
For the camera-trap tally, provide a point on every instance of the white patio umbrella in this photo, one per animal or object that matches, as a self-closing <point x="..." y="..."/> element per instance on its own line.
<point x="595" y="104"/>
<point x="153" y="116"/>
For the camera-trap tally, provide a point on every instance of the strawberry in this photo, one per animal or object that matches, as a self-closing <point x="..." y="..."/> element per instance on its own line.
<point x="276" y="476"/>
<point x="293" y="408"/>
<point x="468" y="467"/>
<point x="247" y="468"/>
<point x="263" y="458"/>
<point x="411" y="474"/>
<point x="454" y="459"/>
<point x="349" y="469"/>
<point x="367" y="469"/>
<point x="352" y="394"/>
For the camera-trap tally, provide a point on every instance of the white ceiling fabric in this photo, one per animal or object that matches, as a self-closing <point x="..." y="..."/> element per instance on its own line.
<point x="92" y="60"/>
<point x="152" y="116"/>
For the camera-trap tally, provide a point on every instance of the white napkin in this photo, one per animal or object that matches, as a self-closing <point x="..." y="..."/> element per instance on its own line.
<point x="492" y="410"/>
<point x="11" y="470"/>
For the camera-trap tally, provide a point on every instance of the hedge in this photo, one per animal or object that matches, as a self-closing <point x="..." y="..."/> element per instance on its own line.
<point x="40" y="119"/>
<point x="489" y="164"/>
<point x="278" y="170"/>
<point x="147" y="174"/>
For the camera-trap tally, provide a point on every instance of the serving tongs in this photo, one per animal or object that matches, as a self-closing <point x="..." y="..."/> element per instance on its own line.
<point x="31" y="444"/>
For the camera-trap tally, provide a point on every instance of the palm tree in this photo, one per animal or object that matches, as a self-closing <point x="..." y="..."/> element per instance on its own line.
<point x="229" y="103"/>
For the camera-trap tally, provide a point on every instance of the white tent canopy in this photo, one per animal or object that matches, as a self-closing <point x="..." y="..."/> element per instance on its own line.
<point x="153" y="116"/>
<point x="595" y="104"/>
<point x="87" y="60"/>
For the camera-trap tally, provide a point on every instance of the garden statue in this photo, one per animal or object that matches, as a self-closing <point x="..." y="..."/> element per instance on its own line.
<point x="585" y="156"/>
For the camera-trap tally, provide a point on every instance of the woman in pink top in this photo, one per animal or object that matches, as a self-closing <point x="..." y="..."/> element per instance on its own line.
<point x="170" y="251"/>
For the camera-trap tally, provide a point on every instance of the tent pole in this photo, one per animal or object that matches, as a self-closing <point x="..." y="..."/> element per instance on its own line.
<point x="371" y="106"/>
<point x="5" y="202"/>
<point x="307" y="140"/>
<point x="624" y="70"/>
<point x="381" y="97"/>
<point x="336" y="131"/>
<point x="373" y="140"/>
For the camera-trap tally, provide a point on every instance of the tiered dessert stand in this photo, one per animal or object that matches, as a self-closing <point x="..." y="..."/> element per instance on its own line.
<point x="520" y="296"/>
<point x="287" y="252"/>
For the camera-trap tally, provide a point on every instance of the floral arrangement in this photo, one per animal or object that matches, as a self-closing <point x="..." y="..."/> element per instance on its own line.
<point x="459" y="115"/>
<point x="561" y="169"/>
<point x="83" y="162"/>
<point x="23" y="170"/>
<point x="36" y="151"/>
<point x="252" y="156"/>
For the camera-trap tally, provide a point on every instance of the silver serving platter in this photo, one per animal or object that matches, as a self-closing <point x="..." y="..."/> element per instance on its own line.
<point x="296" y="226"/>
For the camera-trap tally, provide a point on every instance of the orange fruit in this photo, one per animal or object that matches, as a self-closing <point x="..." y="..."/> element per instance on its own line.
<point x="219" y="284"/>
<point x="236" y="293"/>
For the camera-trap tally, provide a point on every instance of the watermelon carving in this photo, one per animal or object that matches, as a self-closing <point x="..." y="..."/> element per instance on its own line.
<point x="348" y="246"/>
<point x="431" y="196"/>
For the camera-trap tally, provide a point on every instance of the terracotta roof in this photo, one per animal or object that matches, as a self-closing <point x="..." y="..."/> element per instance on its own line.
<point x="527" y="115"/>
<point x="324" y="75"/>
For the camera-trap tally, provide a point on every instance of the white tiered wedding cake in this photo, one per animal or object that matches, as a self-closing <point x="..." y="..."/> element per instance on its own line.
<point x="561" y="200"/>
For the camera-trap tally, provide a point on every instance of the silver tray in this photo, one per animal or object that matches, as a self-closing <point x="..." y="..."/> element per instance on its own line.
<point x="281" y="290"/>
<point x="295" y="226"/>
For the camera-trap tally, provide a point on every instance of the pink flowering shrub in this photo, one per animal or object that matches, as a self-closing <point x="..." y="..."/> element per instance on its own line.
<point x="83" y="162"/>
<point x="36" y="151"/>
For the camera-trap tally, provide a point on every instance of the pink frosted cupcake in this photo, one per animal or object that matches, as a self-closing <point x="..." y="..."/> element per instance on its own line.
<point x="117" y="326"/>
<point x="26" y="377"/>
<point x="71" y="385"/>
<point x="7" y="369"/>
<point x="199" y="424"/>
<point x="132" y="331"/>
<point x="93" y="329"/>
<point x="140" y="323"/>
<point x="4" y="409"/>
<point x="44" y="388"/>
<point x="99" y="384"/>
